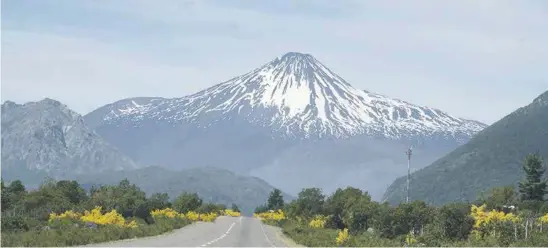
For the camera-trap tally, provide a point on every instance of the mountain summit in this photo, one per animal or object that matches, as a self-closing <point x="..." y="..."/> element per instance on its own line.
<point x="296" y="95"/>
<point x="292" y="122"/>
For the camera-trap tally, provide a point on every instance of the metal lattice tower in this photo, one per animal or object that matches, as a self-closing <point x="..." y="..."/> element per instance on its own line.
<point x="409" y="152"/>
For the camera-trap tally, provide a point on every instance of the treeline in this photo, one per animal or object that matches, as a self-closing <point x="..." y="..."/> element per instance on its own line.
<point x="27" y="214"/>
<point x="505" y="216"/>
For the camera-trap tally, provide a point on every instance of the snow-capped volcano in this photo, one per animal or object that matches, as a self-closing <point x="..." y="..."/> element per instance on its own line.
<point x="297" y="96"/>
<point x="291" y="116"/>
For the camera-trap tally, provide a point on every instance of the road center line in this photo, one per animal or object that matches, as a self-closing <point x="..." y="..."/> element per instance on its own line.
<point x="221" y="237"/>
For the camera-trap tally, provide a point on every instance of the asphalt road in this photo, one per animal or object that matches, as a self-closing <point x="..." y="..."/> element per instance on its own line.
<point x="224" y="232"/>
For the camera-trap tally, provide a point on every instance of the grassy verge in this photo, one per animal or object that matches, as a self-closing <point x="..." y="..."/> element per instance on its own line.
<point x="73" y="236"/>
<point x="307" y="236"/>
<point x="326" y="237"/>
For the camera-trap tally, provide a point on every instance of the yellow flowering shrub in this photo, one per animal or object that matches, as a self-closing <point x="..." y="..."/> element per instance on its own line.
<point x="487" y="221"/>
<point x="110" y="218"/>
<point x="95" y="215"/>
<point x="274" y="215"/>
<point x="342" y="237"/>
<point x="479" y="215"/>
<point x="410" y="239"/>
<point x="167" y="213"/>
<point x="512" y="218"/>
<point x="230" y="212"/>
<point x="131" y="224"/>
<point x="543" y="219"/>
<point x="209" y="217"/>
<point x="318" y="221"/>
<point x="192" y="216"/>
<point x="67" y="215"/>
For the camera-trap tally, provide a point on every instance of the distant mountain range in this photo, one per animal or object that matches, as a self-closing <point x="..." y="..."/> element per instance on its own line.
<point x="47" y="139"/>
<point x="292" y="122"/>
<point x="494" y="157"/>
<point x="211" y="184"/>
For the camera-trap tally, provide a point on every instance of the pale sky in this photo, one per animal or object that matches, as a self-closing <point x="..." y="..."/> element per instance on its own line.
<point x="473" y="59"/>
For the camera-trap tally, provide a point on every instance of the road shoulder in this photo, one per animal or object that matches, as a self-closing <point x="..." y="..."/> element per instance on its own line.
<point x="146" y="238"/>
<point x="280" y="236"/>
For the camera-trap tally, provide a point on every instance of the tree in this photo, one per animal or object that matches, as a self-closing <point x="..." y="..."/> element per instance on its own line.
<point x="411" y="216"/>
<point x="384" y="219"/>
<point x="13" y="195"/>
<point x="159" y="201"/>
<point x="127" y="199"/>
<point x="5" y="197"/>
<point x="235" y="208"/>
<point x="357" y="217"/>
<point x="208" y="208"/>
<point x="275" y="200"/>
<point x="309" y="203"/>
<point x="342" y="200"/>
<point x="187" y="202"/>
<point x="221" y="206"/>
<point x="73" y="191"/>
<point x="16" y="187"/>
<point x="452" y="222"/>
<point x="533" y="188"/>
<point x="261" y="209"/>
<point x="48" y="198"/>
<point x="499" y="197"/>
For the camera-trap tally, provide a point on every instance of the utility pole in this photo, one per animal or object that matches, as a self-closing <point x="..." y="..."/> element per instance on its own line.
<point x="409" y="153"/>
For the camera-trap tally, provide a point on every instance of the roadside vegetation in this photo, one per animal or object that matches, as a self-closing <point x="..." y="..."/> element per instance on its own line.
<point x="64" y="214"/>
<point x="506" y="216"/>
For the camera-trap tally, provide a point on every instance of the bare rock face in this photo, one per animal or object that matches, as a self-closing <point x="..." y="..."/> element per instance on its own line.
<point x="47" y="138"/>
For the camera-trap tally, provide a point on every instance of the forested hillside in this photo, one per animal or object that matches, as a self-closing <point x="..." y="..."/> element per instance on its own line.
<point x="505" y="216"/>
<point x="492" y="158"/>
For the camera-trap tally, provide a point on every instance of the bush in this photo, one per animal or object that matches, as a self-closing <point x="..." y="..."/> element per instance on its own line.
<point x="232" y="213"/>
<point x="372" y="240"/>
<point x="55" y="214"/>
<point x="319" y="221"/>
<point x="14" y="223"/>
<point x="307" y="236"/>
<point x="82" y="235"/>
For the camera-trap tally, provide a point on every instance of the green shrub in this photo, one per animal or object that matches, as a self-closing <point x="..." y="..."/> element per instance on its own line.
<point x="372" y="240"/>
<point x="311" y="237"/>
<point x="14" y="223"/>
<point x="66" y="234"/>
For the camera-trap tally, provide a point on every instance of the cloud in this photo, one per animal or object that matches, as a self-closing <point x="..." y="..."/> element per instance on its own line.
<point x="309" y="8"/>
<point x="433" y="53"/>
<point x="84" y="73"/>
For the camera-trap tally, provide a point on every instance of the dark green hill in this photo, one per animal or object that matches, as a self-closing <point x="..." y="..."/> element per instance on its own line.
<point x="492" y="158"/>
<point x="212" y="184"/>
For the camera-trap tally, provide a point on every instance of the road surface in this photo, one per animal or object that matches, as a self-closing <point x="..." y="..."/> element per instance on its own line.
<point x="224" y="232"/>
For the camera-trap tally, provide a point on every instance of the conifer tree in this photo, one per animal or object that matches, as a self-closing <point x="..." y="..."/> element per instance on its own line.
<point x="533" y="188"/>
<point x="275" y="200"/>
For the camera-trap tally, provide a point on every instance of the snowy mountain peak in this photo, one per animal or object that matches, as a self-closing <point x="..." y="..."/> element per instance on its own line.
<point x="303" y="66"/>
<point x="298" y="96"/>
<point x="294" y="57"/>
